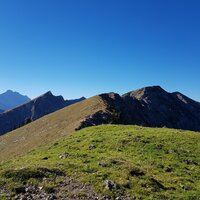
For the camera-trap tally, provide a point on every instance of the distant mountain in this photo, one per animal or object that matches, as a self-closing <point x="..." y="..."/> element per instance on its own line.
<point x="10" y="99"/>
<point x="1" y="111"/>
<point x="72" y="101"/>
<point x="34" y="109"/>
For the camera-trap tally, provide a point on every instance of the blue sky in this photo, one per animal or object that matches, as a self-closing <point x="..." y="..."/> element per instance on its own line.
<point x="85" y="47"/>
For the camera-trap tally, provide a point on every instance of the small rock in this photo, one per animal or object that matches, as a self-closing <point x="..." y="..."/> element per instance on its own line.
<point x="92" y="146"/>
<point x="16" y="197"/>
<point x="64" y="155"/>
<point x="51" y="197"/>
<point x="27" y="189"/>
<point x="103" y="164"/>
<point x="110" y="185"/>
<point x="190" y="162"/>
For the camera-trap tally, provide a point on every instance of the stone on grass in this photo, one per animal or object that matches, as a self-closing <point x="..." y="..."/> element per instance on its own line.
<point x="110" y="185"/>
<point x="64" y="155"/>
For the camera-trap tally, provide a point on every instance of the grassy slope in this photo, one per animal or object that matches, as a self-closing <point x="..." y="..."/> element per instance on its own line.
<point x="48" y="128"/>
<point x="151" y="163"/>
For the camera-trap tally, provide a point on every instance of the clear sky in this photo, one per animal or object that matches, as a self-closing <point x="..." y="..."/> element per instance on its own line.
<point x="85" y="47"/>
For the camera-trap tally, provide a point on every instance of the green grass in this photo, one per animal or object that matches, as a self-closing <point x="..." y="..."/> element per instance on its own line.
<point x="147" y="163"/>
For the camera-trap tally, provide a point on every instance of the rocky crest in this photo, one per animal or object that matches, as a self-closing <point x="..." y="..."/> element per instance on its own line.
<point x="149" y="106"/>
<point x="159" y="108"/>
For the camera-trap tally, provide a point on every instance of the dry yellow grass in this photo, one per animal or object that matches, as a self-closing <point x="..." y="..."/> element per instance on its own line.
<point x="48" y="128"/>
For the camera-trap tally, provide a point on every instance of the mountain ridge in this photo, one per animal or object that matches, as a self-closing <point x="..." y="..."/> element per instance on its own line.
<point x="32" y="110"/>
<point x="150" y="106"/>
<point x="109" y="108"/>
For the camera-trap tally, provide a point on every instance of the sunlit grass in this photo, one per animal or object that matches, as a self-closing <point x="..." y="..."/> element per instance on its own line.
<point x="152" y="163"/>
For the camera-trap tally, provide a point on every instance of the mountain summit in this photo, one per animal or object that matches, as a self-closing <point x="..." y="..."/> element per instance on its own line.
<point x="159" y="108"/>
<point x="10" y="100"/>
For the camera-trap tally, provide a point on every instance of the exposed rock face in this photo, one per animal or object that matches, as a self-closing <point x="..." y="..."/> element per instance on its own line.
<point x="10" y="100"/>
<point x="158" y="108"/>
<point x="150" y="106"/>
<point x="34" y="109"/>
<point x="114" y="106"/>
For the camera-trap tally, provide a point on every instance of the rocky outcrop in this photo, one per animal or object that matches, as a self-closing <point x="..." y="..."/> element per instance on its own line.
<point x="111" y="115"/>
<point x="34" y="109"/>
<point x="149" y="106"/>
<point x="10" y="100"/>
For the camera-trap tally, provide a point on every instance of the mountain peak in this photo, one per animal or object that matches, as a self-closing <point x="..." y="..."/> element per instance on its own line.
<point x="156" y="88"/>
<point x="146" y="91"/>
<point x="45" y="95"/>
<point x="11" y="99"/>
<point x="9" y="91"/>
<point x="49" y="93"/>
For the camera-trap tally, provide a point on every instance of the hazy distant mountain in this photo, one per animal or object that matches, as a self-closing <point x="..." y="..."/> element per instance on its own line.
<point x="72" y="101"/>
<point x="10" y="99"/>
<point x="32" y="110"/>
<point x="1" y="111"/>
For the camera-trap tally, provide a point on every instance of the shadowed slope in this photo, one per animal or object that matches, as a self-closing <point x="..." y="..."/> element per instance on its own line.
<point x="153" y="106"/>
